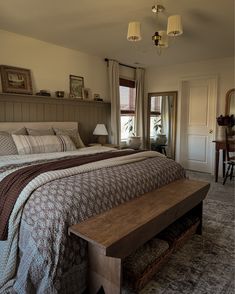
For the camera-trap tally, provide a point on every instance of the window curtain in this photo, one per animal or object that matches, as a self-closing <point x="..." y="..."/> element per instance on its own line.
<point x="113" y="75"/>
<point x="166" y="116"/>
<point x="139" y="126"/>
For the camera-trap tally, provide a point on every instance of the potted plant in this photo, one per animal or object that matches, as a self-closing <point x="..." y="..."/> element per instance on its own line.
<point x="225" y="122"/>
<point x="160" y="138"/>
<point x="133" y="140"/>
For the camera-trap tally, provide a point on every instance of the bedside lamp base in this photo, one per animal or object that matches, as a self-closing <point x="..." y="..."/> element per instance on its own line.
<point x="102" y="139"/>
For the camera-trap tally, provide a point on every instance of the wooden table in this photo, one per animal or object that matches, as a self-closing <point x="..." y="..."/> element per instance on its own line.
<point x="118" y="232"/>
<point x="220" y="145"/>
<point x="159" y="148"/>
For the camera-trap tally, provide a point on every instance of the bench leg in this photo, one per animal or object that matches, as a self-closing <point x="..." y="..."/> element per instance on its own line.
<point x="103" y="271"/>
<point x="199" y="208"/>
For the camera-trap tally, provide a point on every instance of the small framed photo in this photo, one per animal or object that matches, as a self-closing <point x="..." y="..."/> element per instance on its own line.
<point x="87" y="93"/>
<point x="76" y="86"/>
<point x="16" y="80"/>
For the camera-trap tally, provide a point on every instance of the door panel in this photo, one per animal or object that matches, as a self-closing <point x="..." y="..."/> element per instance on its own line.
<point x="197" y="146"/>
<point x="198" y="118"/>
<point x="198" y="106"/>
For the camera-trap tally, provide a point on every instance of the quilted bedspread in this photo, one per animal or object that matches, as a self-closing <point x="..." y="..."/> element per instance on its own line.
<point x="50" y="261"/>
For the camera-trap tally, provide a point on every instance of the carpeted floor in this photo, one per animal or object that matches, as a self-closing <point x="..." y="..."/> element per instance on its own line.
<point x="206" y="263"/>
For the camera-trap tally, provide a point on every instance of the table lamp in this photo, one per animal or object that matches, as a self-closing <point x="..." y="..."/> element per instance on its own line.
<point x="101" y="131"/>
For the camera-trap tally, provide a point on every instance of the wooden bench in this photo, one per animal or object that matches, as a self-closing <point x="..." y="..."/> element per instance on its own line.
<point x="116" y="233"/>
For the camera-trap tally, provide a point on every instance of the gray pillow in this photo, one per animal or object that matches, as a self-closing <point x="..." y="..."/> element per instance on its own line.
<point x="73" y="134"/>
<point x="21" y="131"/>
<point x="38" y="132"/>
<point x="7" y="145"/>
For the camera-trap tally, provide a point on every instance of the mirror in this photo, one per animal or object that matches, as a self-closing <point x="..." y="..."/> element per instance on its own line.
<point x="230" y="102"/>
<point x="162" y="122"/>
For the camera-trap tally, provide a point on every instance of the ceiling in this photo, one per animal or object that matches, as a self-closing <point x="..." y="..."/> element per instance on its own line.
<point x="100" y="27"/>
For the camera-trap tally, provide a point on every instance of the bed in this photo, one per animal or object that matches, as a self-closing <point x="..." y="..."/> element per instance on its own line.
<point x="38" y="255"/>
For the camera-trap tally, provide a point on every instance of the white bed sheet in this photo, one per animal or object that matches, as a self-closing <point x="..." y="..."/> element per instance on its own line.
<point x="17" y="159"/>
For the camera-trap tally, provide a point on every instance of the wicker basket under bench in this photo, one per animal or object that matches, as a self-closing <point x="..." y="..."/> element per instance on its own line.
<point x="140" y="267"/>
<point x="116" y="235"/>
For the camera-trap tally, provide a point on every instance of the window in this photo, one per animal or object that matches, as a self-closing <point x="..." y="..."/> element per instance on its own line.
<point x="127" y="107"/>
<point x="155" y="116"/>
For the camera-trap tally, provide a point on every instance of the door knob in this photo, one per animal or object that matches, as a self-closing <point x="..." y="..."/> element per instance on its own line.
<point x="211" y="131"/>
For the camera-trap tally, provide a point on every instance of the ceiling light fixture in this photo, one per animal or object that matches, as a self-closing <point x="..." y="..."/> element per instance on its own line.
<point x="160" y="37"/>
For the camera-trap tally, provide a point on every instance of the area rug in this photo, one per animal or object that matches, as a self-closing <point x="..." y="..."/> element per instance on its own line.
<point x="205" y="264"/>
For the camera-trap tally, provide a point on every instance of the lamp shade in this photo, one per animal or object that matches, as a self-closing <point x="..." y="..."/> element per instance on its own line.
<point x="163" y="42"/>
<point x="174" y="26"/>
<point x="133" y="33"/>
<point x="100" y="130"/>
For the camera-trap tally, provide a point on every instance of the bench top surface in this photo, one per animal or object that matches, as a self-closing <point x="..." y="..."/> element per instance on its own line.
<point x="108" y="228"/>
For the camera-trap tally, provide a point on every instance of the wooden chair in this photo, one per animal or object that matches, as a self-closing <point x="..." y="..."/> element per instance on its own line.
<point x="230" y="160"/>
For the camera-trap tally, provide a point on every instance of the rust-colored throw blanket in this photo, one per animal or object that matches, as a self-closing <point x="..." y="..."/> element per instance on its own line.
<point x="12" y="185"/>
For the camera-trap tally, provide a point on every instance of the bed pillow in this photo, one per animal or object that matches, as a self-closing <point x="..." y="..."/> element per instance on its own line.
<point x="42" y="144"/>
<point x="73" y="134"/>
<point x="37" y="132"/>
<point x="21" y="131"/>
<point x="7" y="145"/>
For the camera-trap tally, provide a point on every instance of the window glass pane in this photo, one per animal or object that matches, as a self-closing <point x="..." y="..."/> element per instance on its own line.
<point x="127" y="98"/>
<point x="156" y="104"/>
<point x="127" y="126"/>
<point x="155" y="125"/>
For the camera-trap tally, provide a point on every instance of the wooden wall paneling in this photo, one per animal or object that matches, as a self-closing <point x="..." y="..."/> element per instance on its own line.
<point x="50" y="112"/>
<point x="40" y="113"/>
<point x="59" y="112"/>
<point x="2" y="111"/>
<point x="17" y="108"/>
<point x="86" y="119"/>
<point x="9" y="111"/>
<point x="25" y="112"/>
<point x="32" y="112"/>
<point x="31" y="108"/>
<point x="69" y="113"/>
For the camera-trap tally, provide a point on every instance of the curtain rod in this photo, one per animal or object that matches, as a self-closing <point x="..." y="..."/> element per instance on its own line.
<point x="122" y="64"/>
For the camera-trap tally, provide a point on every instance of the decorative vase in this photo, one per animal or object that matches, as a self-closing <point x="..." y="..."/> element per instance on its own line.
<point x="221" y="133"/>
<point x="134" y="142"/>
<point x="161" y="139"/>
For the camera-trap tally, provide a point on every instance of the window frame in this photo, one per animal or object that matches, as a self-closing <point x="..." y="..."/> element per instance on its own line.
<point x="124" y="82"/>
<point x="129" y="84"/>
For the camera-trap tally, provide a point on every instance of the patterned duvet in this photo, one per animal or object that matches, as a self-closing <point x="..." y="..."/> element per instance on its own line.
<point x="48" y="260"/>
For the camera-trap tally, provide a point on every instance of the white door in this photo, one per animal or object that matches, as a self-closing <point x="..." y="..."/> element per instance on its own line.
<point x="198" y="121"/>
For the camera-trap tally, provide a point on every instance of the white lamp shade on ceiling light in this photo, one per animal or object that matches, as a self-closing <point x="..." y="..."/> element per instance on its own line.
<point x="133" y="33"/>
<point x="100" y="130"/>
<point x="174" y="26"/>
<point x="163" y="42"/>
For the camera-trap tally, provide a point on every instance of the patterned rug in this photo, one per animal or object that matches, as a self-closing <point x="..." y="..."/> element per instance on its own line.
<point x="205" y="264"/>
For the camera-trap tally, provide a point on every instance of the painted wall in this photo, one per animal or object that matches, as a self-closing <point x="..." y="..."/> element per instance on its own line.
<point x="168" y="78"/>
<point x="51" y="65"/>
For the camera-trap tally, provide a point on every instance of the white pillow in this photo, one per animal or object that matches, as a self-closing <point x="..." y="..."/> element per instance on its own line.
<point x="42" y="144"/>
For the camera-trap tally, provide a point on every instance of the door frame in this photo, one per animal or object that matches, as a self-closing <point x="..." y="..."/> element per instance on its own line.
<point x="184" y="79"/>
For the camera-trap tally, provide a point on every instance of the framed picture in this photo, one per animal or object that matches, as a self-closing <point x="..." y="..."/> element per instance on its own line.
<point x="16" y="80"/>
<point x="76" y="86"/>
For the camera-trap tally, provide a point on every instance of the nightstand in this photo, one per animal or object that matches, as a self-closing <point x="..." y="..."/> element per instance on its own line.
<point x="112" y="146"/>
<point x="105" y="145"/>
<point x="94" y="144"/>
